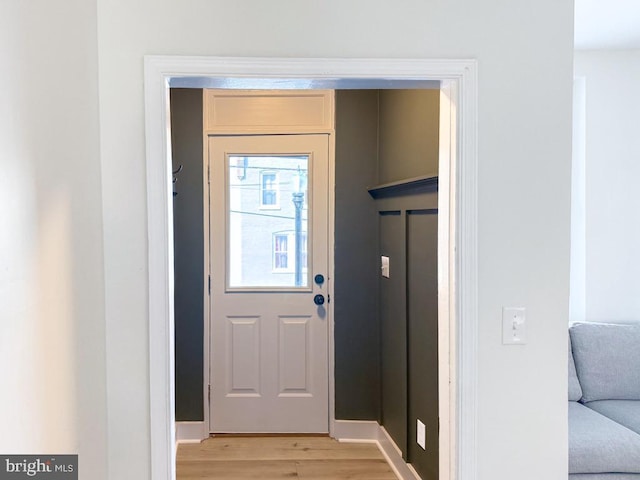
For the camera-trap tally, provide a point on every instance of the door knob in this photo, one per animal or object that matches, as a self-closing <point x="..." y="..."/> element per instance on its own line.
<point x="318" y="299"/>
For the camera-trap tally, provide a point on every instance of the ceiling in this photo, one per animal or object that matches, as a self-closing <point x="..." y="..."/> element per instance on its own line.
<point x="607" y="24"/>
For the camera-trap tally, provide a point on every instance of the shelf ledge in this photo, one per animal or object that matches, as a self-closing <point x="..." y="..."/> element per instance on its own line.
<point x="405" y="187"/>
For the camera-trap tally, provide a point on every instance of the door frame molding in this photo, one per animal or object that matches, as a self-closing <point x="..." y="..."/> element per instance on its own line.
<point x="458" y="284"/>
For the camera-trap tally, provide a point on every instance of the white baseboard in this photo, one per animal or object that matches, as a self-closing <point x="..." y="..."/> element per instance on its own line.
<point x="413" y="470"/>
<point x="350" y="430"/>
<point x="394" y="456"/>
<point x="371" y="432"/>
<point x="190" y="432"/>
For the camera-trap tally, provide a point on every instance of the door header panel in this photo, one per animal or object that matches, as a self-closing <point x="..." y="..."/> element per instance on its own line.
<point x="260" y="111"/>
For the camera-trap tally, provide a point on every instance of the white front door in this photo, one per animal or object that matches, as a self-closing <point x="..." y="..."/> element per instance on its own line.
<point x="268" y="251"/>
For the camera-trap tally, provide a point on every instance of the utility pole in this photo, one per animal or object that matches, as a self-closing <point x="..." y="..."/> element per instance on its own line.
<point x="298" y="201"/>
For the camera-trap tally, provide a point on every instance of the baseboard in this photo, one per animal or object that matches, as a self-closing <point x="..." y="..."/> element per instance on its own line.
<point x="394" y="456"/>
<point x="350" y="430"/>
<point x="190" y="432"/>
<point x="413" y="471"/>
<point x="372" y="432"/>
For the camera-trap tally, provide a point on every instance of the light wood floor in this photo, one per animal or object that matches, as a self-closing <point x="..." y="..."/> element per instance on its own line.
<point x="273" y="458"/>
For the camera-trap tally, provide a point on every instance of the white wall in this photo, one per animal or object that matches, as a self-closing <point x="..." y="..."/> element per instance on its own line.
<point x="611" y="184"/>
<point x="52" y="331"/>
<point x="577" y="288"/>
<point x="52" y="350"/>
<point x="524" y="188"/>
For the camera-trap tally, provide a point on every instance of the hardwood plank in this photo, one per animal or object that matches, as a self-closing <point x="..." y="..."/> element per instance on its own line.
<point x="345" y="469"/>
<point x="276" y="448"/>
<point x="279" y="458"/>
<point x="237" y="470"/>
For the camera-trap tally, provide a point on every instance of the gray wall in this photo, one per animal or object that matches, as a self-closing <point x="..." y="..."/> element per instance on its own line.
<point x="422" y="333"/>
<point x="409" y="131"/>
<point x="409" y="323"/>
<point x="408" y="301"/>
<point x="392" y="304"/>
<point x="186" y="139"/>
<point x="357" y="328"/>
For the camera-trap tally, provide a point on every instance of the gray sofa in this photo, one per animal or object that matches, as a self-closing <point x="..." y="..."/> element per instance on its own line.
<point x="604" y="402"/>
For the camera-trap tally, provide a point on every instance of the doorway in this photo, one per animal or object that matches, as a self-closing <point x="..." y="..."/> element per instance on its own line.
<point x="459" y="262"/>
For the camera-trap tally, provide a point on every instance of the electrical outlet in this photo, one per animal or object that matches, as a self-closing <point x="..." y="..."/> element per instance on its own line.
<point x="422" y="435"/>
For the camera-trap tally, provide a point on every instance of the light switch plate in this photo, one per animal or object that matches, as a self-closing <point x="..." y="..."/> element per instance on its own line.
<point x="384" y="266"/>
<point x="514" y="326"/>
<point x="422" y="435"/>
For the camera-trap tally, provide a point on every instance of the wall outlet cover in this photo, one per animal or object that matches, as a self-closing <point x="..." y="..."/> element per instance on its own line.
<point x="422" y="435"/>
<point x="384" y="266"/>
<point x="514" y="326"/>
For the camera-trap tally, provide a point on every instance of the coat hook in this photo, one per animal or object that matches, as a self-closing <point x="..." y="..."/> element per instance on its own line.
<point x="175" y="179"/>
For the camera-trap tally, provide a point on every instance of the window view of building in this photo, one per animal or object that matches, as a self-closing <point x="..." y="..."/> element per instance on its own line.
<point x="280" y="252"/>
<point x="268" y="221"/>
<point x="269" y="189"/>
<point x="284" y="251"/>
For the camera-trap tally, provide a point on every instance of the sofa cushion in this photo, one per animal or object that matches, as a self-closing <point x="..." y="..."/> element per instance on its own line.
<point x="625" y="412"/>
<point x="604" y="476"/>
<point x="575" y="391"/>
<point x="600" y="445"/>
<point x="607" y="360"/>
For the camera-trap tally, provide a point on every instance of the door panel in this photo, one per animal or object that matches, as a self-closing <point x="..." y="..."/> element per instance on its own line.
<point x="294" y="362"/>
<point x="243" y="363"/>
<point x="269" y="340"/>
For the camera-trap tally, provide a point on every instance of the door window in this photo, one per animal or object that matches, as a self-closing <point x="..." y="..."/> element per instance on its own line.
<point x="268" y="219"/>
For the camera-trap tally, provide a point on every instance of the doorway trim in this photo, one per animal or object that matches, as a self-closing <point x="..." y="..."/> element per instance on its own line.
<point x="458" y="79"/>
